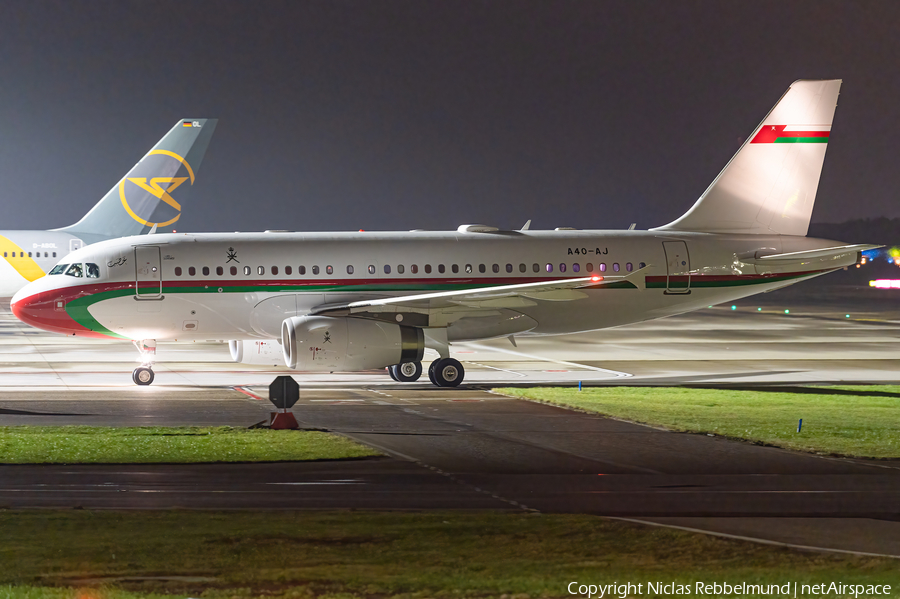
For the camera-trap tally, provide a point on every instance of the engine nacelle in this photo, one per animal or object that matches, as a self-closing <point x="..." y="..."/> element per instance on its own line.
<point x="327" y="344"/>
<point x="256" y="352"/>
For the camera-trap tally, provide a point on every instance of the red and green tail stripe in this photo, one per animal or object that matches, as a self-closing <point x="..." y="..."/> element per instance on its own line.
<point x="776" y="134"/>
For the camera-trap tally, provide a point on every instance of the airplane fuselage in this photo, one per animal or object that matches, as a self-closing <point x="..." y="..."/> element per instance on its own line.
<point x="28" y="255"/>
<point x="243" y="285"/>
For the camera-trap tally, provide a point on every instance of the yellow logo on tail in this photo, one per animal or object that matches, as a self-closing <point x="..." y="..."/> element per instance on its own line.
<point x="156" y="190"/>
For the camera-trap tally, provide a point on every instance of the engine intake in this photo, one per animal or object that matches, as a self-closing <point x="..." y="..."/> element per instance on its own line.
<point x="327" y="344"/>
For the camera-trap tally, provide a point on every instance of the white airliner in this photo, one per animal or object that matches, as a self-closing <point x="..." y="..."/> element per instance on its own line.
<point x="132" y="206"/>
<point x="367" y="300"/>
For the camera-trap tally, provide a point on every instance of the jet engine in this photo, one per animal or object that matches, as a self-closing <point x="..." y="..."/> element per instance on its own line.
<point x="256" y="352"/>
<point x="327" y="344"/>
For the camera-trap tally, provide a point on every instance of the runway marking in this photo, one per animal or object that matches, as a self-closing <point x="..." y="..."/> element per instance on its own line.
<point x="247" y="392"/>
<point x="615" y="373"/>
<point x="751" y="539"/>
<point x="494" y="367"/>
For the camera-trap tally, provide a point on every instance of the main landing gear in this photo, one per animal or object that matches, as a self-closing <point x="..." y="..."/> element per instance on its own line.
<point x="443" y="372"/>
<point x="143" y="374"/>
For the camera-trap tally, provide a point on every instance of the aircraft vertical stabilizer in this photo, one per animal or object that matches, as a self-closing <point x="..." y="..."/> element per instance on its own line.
<point x="769" y="186"/>
<point x="151" y="194"/>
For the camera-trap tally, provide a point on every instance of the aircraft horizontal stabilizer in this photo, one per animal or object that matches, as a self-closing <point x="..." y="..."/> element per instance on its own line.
<point x="818" y="254"/>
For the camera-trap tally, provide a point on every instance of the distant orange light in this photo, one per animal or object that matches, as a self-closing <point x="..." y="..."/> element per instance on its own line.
<point x="361" y="231"/>
<point x="596" y="278"/>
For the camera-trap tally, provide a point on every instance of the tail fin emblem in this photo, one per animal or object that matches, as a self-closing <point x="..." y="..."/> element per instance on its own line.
<point x="160" y="188"/>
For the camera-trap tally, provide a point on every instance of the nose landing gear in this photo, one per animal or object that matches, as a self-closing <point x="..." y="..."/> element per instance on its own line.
<point x="143" y="374"/>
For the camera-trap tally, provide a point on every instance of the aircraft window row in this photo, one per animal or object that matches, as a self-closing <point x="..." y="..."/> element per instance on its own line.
<point x="414" y="269"/>
<point x="88" y="270"/>
<point x="22" y="255"/>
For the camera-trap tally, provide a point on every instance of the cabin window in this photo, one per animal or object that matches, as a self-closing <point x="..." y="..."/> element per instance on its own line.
<point x="428" y="269"/>
<point x="603" y="267"/>
<point x="29" y="254"/>
<point x="441" y="268"/>
<point x="413" y="269"/>
<point x="495" y="268"/>
<point x="274" y="270"/>
<point x="315" y="270"/>
<point x="45" y="255"/>
<point x="54" y="254"/>
<point x="21" y="254"/>
<point x="177" y="271"/>
<point x="233" y="271"/>
<point x="641" y="265"/>
<point x="247" y="271"/>
<point x="205" y="271"/>
<point x="509" y="268"/>
<point x="371" y="269"/>
<point x="91" y="270"/>
<point x="589" y="267"/>
<point x="628" y="266"/>
<point x="536" y="267"/>
<point x="522" y="267"/>
<point x="59" y="269"/>
<point x="616" y="266"/>
<point x="260" y="270"/>
<point x="482" y="268"/>
<point x="576" y="267"/>
<point x="387" y="269"/>
<point x="454" y="268"/>
<point x="562" y="267"/>
<point x="349" y="269"/>
<point x="301" y="270"/>
<point x="329" y="269"/>
<point x="192" y="271"/>
<point x="5" y="255"/>
<point x="400" y="269"/>
<point x="549" y="267"/>
<point x="75" y="270"/>
<point x="288" y="270"/>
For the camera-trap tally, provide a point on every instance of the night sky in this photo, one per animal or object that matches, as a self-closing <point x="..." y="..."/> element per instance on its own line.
<point x="398" y="115"/>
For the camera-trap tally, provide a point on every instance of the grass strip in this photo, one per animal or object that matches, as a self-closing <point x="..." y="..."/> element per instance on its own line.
<point x="850" y="420"/>
<point x="376" y="554"/>
<point x="180" y="445"/>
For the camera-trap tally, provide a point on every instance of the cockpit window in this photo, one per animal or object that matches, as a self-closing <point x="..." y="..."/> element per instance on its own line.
<point x="59" y="269"/>
<point x="92" y="271"/>
<point x="75" y="270"/>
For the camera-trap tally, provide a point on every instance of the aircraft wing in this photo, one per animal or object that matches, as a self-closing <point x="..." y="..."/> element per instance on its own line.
<point x="495" y="297"/>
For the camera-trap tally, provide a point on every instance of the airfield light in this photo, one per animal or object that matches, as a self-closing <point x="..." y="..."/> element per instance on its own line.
<point x="596" y="278"/>
<point x="885" y="283"/>
<point x="846" y="316"/>
<point x="734" y="307"/>
<point x="787" y="311"/>
<point x="759" y="309"/>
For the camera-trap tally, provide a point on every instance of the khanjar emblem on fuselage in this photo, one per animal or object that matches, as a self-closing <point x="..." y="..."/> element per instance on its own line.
<point x="232" y="255"/>
<point x="327" y="338"/>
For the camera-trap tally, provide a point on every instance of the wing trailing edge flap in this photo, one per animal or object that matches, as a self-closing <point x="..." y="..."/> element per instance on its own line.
<point x="513" y="296"/>
<point x="821" y="254"/>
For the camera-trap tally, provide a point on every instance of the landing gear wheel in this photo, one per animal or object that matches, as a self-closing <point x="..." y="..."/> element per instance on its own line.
<point x="142" y="376"/>
<point x="392" y="370"/>
<point x="431" y="373"/>
<point x="446" y="372"/>
<point x="406" y="372"/>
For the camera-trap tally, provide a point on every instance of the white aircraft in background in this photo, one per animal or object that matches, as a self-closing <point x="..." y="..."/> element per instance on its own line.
<point x="358" y="301"/>
<point x="132" y="206"/>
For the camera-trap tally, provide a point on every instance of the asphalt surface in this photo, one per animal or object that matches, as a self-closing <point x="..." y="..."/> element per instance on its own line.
<point x="471" y="449"/>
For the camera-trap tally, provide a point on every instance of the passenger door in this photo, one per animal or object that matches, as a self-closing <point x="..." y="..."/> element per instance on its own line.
<point x="678" y="265"/>
<point x="148" y="272"/>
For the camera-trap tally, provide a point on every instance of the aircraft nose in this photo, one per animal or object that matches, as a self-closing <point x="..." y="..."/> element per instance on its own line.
<point x="44" y="309"/>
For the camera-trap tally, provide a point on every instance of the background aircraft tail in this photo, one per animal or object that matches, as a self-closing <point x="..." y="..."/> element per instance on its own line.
<point x="151" y="195"/>
<point x="769" y="186"/>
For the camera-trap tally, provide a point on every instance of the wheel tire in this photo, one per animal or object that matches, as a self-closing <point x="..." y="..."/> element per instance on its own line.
<point x="431" y="372"/>
<point x="392" y="370"/>
<point x="448" y="372"/>
<point x="142" y="376"/>
<point x="407" y="372"/>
